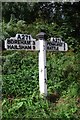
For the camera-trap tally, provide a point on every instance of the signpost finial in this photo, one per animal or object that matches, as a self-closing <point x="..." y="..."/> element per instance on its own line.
<point x="41" y="35"/>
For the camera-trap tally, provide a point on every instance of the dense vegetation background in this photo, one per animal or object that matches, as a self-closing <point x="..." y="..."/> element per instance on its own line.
<point x="20" y="86"/>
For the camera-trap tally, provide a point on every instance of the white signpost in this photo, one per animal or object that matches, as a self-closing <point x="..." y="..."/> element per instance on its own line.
<point x="26" y="42"/>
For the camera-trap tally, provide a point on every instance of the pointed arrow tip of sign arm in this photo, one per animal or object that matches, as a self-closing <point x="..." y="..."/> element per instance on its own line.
<point x="66" y="46"/>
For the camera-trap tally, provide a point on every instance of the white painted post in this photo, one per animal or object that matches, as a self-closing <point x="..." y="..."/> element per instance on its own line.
<point x="42" y="64"/>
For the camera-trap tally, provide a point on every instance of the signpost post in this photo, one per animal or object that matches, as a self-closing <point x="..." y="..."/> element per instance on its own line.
<point x="42" y="64"/>
<point x="26" y="42"/>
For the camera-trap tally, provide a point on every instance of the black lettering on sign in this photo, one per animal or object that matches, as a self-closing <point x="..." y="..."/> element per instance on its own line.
<point x="29" y="47"/>
<point x="21" y="46"/>
<point x="49" y="43"/>
<point x="53" y="43"/>
<point x="16" y="41"/>
<point x="23" y="37"/>
<point x="19" y="37"/>
<point x="33" y="42"/>
<point x="26" y="37"/>
<point x="55" y="39"/>
<point x="12" y="47"/>
<point x="33" y="47"/>
<point x="15" y="47"/>
<point x="24" y="47"/>
<point x="48" y="47"/>
<point x="23" y="42"/>
<point x="54" y="47"/>
<point x="28" y="42"/>
<point x="11" y="41"/>
<point x="59" y="44"/>
<point x="57" y="48"/>
<point x="29" y="37"/>
<point x="8" y="41"/>
<point x="9" y="46"/>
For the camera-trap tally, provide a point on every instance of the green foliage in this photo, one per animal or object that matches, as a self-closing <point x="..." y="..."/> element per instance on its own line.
<point x="21" y="86"/>
<point x="67" y="110"/>
<point x="17" y="70"/>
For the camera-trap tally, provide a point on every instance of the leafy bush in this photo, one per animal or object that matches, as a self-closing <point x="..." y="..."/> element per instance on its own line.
<point x="17" y="73"/>
<point x="21" y="86"/>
